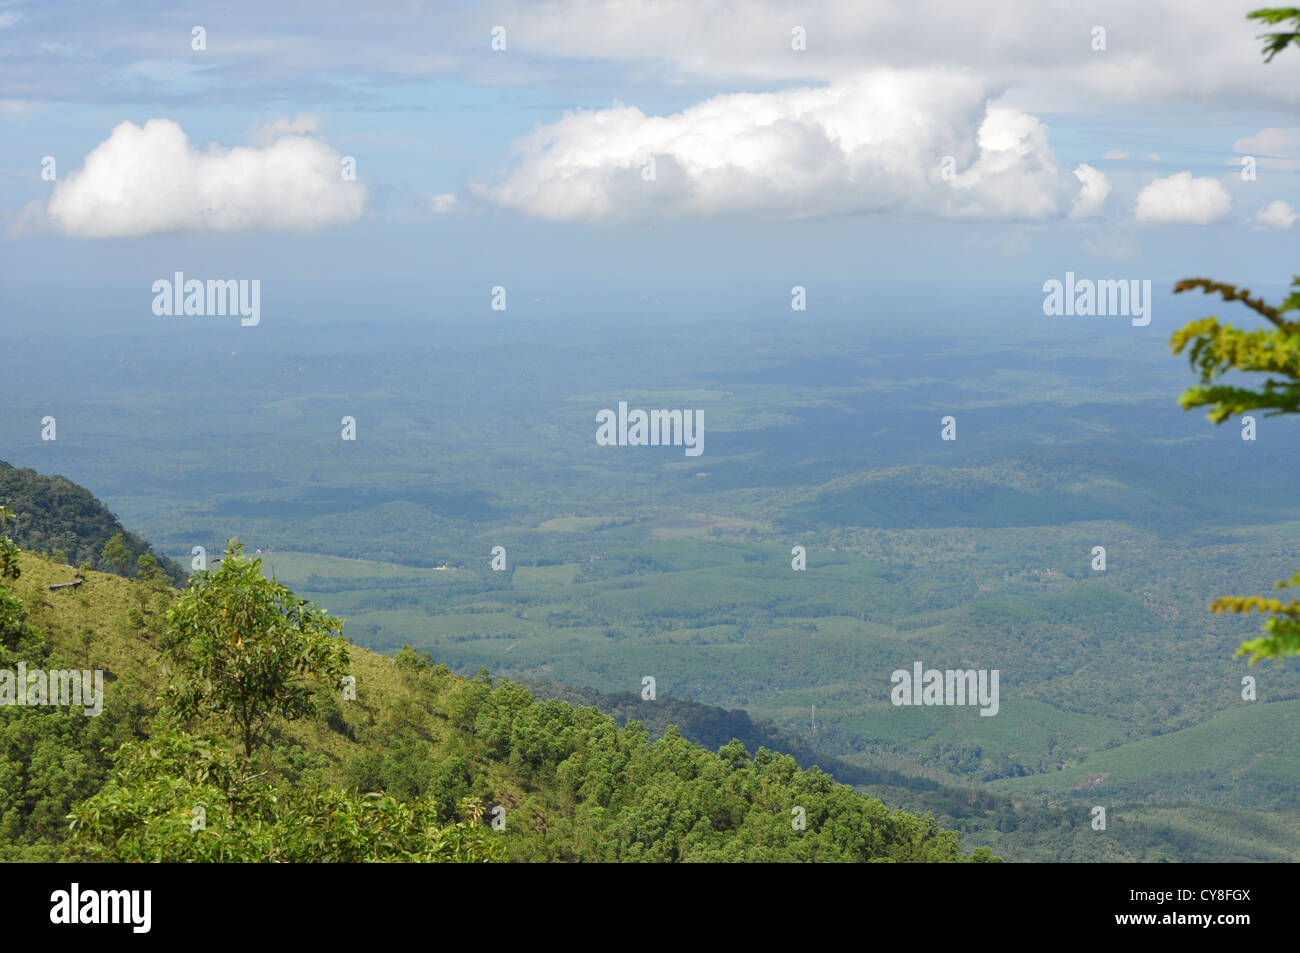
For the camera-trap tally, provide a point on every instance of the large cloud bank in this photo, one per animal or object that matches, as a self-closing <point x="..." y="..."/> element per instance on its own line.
<point x="875" y="142"/>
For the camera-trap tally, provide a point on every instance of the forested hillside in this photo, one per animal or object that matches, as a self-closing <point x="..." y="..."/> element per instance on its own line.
<point x="421" y="765"/>
<point x="54" y="516"/>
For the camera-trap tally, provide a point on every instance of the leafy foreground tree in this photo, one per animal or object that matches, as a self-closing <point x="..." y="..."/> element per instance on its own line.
<point x="249" y="651"/>
<point x="1216" y="350"/>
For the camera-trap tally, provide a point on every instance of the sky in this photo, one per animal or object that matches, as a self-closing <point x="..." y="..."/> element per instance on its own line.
<point x="454" y="142"/>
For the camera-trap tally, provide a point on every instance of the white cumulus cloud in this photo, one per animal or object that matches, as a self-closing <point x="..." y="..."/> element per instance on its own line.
<point x="1182" y="199"/>
<point x="1274" y="148"/>
<point x="923" y="142"/>
<point x="151" y="179"/>
<point x="1276" y="214"/>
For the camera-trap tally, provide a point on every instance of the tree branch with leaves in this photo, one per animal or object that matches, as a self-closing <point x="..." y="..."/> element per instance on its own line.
<point x="1217" y="350"/>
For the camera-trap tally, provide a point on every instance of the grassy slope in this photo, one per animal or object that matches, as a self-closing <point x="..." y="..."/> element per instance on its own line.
<point x="91" y="627"/>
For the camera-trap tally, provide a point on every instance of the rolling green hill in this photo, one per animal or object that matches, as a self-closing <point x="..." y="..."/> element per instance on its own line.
<point x="566" y="783"/>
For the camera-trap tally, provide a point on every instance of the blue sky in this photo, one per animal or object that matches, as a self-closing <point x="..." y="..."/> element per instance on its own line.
<point x="471" y="162"/>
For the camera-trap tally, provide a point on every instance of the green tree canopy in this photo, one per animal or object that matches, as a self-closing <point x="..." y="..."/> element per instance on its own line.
<point x="147" y="568"/>
<point x="180" y="797"/>
<point x="247" y="650"/>
<point x="116" y="555"/>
